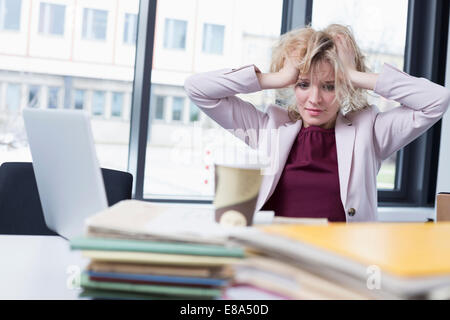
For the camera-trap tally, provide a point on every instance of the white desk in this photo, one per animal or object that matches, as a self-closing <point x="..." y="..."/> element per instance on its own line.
<point x="41" y="267"/>
<point x="38" y="267"/>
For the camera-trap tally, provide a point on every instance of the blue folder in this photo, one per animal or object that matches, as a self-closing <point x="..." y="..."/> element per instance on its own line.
<point x="158" y="278"/>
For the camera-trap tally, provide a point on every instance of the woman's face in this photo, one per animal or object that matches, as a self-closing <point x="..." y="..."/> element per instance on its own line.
<point x="316" y="97"/>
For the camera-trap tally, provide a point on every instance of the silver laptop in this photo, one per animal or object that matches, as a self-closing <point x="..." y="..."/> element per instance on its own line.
<point x="67" y="171"/>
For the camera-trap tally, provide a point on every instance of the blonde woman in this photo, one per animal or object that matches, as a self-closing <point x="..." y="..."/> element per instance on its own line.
<point x="330" y="143"/>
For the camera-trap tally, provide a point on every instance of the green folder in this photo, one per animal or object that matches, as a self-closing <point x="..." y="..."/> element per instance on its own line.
<point x="164" y="291"/>
<point x="120" y="295"/>
<point x="104" y="244"/>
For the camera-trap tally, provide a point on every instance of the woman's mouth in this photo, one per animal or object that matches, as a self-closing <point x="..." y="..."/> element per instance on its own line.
<point x="314" y="112"/>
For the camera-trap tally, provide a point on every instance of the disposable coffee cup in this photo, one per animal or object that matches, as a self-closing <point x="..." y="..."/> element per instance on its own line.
<point x="236" y="191"/>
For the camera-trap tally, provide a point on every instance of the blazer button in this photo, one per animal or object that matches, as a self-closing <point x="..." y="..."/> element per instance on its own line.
<point x="351" y="212"/>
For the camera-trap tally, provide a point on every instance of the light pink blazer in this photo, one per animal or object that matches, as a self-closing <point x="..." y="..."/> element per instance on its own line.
<point x="363" y="139"/>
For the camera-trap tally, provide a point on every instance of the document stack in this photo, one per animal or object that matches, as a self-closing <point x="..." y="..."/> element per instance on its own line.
<point x="141" y="250"/>
<point x="345" y="261"/>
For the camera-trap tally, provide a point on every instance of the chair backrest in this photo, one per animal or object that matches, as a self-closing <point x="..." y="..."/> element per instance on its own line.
<point x="20" y="206"/>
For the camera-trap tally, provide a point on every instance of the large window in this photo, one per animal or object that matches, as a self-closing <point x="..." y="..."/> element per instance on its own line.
<point x="51" y="18"/>
<point x="381" y="41"/>
<point x="170" y="160"/>
<point x="175" y="34"/>
<point x="177" y="158"/>
<point x="10" y="14"/>
<point x="96" y="77"/>
<point x="95" y="22"/>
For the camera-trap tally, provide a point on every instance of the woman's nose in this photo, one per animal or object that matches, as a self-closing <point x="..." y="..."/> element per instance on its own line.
<point x="314" y="96"/>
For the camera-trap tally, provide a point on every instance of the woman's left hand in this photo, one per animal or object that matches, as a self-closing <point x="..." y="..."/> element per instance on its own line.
<point x="345" y="53"/>
<point x="347" y="56"/>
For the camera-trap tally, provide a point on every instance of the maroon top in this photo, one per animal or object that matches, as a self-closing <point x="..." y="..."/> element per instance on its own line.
<point x="309" y="184"/>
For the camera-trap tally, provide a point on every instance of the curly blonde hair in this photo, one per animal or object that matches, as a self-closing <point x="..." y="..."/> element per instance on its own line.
<point x="308" y="47"/>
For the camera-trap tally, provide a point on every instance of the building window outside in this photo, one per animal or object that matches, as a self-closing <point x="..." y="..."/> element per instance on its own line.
<point x="159" y="107"/>
<point x="175" y="34"/>
<point x="51" y="18"/>
<point x="194" y="112"/>
<point x="94" y="24"/>
<point x="53" y="95"/>
<point x="13" y="96"/>
<point x="130" y="28"/>
<point x="117" y="104"/>
<point x="78" y="99"/>
<point x="10" y="14"/>
<point x="177" y="108"/>
<point x="98" y="103"/>
<point x="213" y="36"/>
<point x="34" y="96"/>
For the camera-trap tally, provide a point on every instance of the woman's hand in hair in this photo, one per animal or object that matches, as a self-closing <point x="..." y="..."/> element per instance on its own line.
<point x="285" y="77"/>
<point x="347" y="56"/>
<point x="345" y="53"/>
<point x="289" y="71"/>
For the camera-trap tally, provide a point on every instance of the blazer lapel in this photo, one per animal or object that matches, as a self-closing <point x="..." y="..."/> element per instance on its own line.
<point x="280" y="152"/>
<point x="345" y="140"/>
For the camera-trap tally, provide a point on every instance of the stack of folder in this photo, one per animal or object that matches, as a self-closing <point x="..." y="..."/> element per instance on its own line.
<point x="345" y="261"/>
<point x="135" y="254"/>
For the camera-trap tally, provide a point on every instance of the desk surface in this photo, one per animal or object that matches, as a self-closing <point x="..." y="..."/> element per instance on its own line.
<point x="38" y="267"/>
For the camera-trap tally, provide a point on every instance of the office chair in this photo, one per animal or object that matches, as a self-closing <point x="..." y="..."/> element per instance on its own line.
<point x="20" y="207"/>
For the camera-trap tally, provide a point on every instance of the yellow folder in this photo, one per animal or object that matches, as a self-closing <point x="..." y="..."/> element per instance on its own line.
<point x="403" y="249"/>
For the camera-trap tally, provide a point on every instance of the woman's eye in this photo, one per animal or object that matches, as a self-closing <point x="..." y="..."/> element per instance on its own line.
<point x="303" y="85"/>
<point x="329" y="87"/>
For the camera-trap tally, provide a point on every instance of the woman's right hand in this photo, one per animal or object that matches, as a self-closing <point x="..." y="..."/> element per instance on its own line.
<point x="289" y="73"/>
<point x="285" y="77"/>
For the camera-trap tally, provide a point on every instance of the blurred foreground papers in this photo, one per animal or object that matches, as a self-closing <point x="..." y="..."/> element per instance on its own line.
<point x="146" y="220"/>
<point x="349" y="261"/>
<point x="141" y="250"/>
